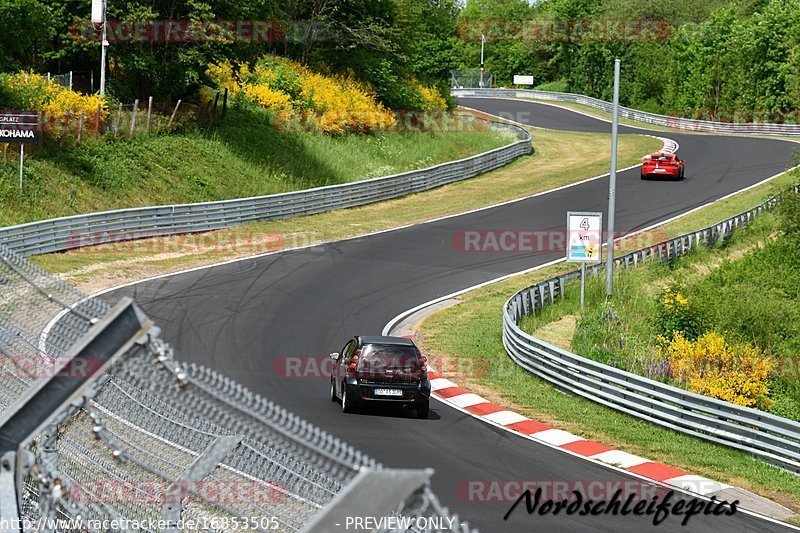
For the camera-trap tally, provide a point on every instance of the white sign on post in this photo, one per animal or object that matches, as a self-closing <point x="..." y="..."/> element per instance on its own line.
<point x="523" y="80"/>
<point x="584" y="237"/>
<point x="97" y="11"/>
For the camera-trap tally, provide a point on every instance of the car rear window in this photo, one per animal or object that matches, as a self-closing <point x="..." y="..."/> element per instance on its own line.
<point x="665" y="157"/>
<point x="375" y="357"/>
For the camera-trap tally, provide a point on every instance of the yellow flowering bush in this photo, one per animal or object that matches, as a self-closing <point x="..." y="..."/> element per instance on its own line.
<point x="267" y="98"/>
<point x="342" y="104"/>
<point x="68" y="105"/>
<point x="62" y="106"/>
<point x="736" y="373"/>
<point x="296" y="95"/>
<point x="431" y="99"/>
<point x="676" y="315"/>
<point x="223" y="77"/>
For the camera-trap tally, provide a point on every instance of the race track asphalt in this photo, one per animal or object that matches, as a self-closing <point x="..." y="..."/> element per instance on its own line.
<point x="244" y="318"/>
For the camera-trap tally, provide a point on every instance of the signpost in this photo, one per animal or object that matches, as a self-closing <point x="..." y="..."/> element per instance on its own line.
<point x="20" y="127"/>
<point x="523" y="80"/>
<point x="99" y="17"/>
<point x="612" y="185"/>
<point x="584" y="242"/>
<point x="483" y="67"/>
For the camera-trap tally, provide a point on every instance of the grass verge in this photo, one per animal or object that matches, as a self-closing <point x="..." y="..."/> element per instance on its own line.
<point x="471" y="331"/>
<point x="745" y="291"/>
<point x="560" y="158"/>
<point x="244" y="156"/>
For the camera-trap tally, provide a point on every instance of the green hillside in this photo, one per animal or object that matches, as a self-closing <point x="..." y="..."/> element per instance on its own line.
<point x="245" y="156"/>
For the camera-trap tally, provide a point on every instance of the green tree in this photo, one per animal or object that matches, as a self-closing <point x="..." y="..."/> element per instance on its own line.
<point x="507" y="50"/>
<point x="27" y="26"/>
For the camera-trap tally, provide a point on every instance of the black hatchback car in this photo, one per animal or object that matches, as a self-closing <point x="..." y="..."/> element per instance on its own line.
<point x="380" y="370"/>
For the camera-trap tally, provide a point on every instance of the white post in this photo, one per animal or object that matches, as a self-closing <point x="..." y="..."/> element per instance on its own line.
<point x="21" y="161"/>
<point x="175" y="112"/>
<point x="103" y="46"/>
<point x="612" y="186"/>
<point x="149" y="112"/>
<point x="70" y="80"/>
<point x="483" y="41"/>
<point x="583" y="284"/>
<point x="133" y="117"/>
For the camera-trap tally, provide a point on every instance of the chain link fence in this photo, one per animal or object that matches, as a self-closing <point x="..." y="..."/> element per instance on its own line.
<point x="83" y="81"/>
<point x="154" y="444"/>
<point x="471" y="79"/>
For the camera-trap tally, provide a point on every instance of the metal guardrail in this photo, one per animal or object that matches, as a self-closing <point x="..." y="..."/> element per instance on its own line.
<point x="706" y="126"/>
<point x="158" y="445"/>
<point x="774" y="439"/>
<point x="65" y="233"/>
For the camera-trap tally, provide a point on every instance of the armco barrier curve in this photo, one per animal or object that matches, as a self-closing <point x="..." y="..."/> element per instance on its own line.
<point x="706" y="126"/>
<point x="774" y="439"/>
<point x="59" y="234"/>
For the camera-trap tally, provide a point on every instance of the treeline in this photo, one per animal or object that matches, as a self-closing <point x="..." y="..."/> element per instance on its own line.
<point x="732" y="60"/>
<point x="393" y="45"/>
<point x="724" y="59"/>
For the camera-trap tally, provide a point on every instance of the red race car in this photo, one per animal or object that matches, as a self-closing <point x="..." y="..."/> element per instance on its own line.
<point x="660" y="164"/>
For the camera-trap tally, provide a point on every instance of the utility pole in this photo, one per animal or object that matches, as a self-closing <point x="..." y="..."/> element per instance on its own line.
<point x="612" y="186"/>
<point x="483" y="42"/>
<point x="99" y="8"/>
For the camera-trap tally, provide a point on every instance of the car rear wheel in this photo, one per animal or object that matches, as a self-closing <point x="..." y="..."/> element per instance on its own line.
<point x="422" y="409"/>
<point x="681" y="175"/>
<point x="347" y="405"/>
<point x="644" y="176"/>
<point x="333" y="392"/>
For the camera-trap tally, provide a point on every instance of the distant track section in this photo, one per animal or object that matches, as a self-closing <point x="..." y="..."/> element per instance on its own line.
<point x="687" y="124"/>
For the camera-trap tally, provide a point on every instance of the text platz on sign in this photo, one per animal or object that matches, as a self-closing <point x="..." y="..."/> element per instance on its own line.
<point x="584" y="237"/>
<point x="21" y="127"/>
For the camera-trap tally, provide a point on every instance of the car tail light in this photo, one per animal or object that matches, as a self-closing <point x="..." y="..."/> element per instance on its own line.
<point x="423" y="367"/>
<point x="354" y="359"/>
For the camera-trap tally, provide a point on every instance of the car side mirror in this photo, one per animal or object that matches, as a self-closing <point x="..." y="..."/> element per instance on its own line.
<point x="334" y="355"/>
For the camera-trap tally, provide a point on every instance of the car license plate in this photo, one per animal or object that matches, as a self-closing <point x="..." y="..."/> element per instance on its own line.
<point x="388" y="392"/>
<point x="660" y="170"/>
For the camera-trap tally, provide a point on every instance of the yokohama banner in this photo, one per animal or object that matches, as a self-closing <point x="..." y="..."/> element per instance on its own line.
<point x="19" y="127"/>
